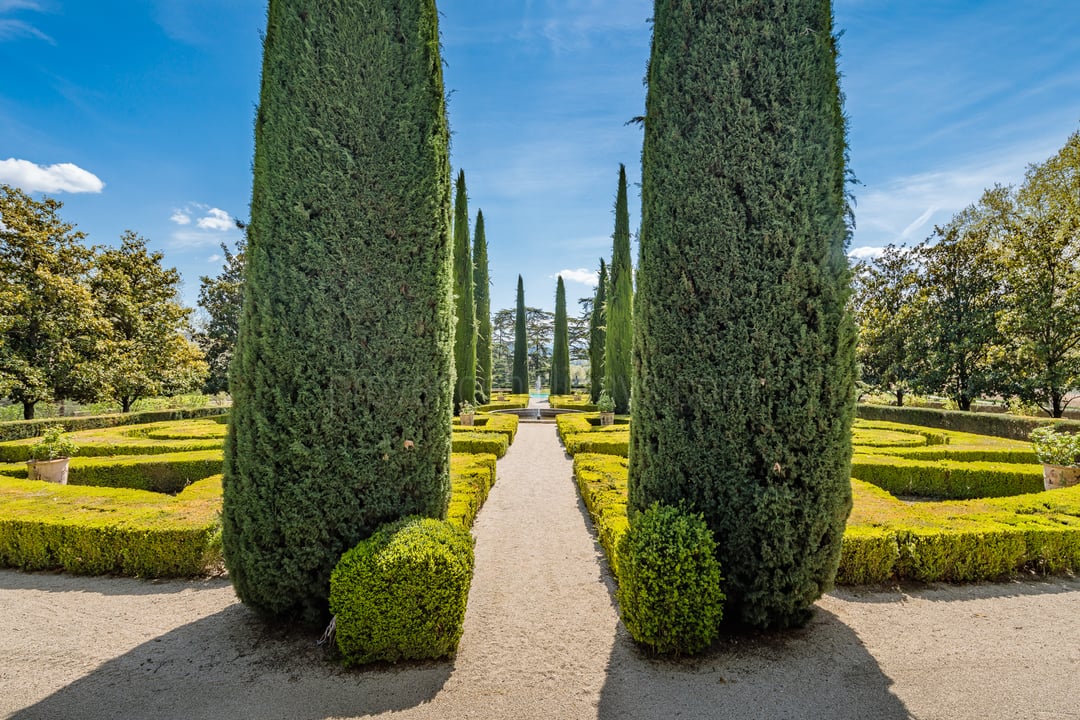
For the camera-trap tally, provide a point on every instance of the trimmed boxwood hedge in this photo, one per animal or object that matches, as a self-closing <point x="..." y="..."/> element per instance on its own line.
<point x="512" y="402"/>
<point x="95" y="531"/>
<point x="947" y="478"/>
<point x="466" y="441"/>
<point x="887" y="539"/>
<point x="19" y="429"/>
<point x="567" y="402"/>
<point x="471" y="477"/>
<point x="505" y="423"/>
<point x="167" y="473"/>
<point x="1006" y="426"/>
<point x="118" y="441"/>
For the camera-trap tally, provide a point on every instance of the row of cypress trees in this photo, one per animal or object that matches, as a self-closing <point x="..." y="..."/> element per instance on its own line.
<point x="472" y="305"/>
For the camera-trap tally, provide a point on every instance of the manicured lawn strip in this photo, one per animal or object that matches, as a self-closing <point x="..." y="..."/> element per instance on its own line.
<point x="947" y="478"/>
<point x="167" y="473"/>
<point x="888" y="539"/>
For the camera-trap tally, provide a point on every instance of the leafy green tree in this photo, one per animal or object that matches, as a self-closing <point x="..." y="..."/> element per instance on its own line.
<point x="49" y="332"/>
<point x="482" y="285"/>
<point x="958" y="301"/>
<point x="618" y="340"/>
<point x="343" y="377"/>
<point x="560" y="353"/>
<point x="1039" y="241"/>
<point x="541" y="335"/>
<point x="744" y="347"/>
<point x="520" y="378"/>
<point x="597" y="336"/>
<point x="146" y="351"/>
<point x="885" y="310"/>
<point x="464" y="304"/>
<point x="220" y="298"/>
<point x="502" y="348"/>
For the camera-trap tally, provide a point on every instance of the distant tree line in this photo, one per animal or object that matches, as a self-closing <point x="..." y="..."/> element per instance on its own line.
<point x="86" y="323"/>
<point x="989" y="304"/>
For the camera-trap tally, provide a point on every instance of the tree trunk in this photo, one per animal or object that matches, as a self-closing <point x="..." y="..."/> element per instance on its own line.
<point x="963" y="402"/>
<point x="899" y="397"/>
<point x="28" y="410"/>
<point x="125" y="404"/>
<point x="1057" y="409"/>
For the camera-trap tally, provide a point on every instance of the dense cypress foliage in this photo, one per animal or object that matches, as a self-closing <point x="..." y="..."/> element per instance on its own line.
<point x="560" y="351"/>
<point x="743" y="349"/>
<point x="464" y="305"/>
<point x="482" y="294"/>
<point x="618" y="342"/>
<point x="342" y="379"/>
<point x="520" y="379"/>
<point x="598" y="336"/>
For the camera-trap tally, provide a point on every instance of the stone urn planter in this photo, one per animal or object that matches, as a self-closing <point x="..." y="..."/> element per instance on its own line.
<point x="1060" y="476"/>
<point x="467" y="414"/>
<point x="607" y="418"/>
<point x="54" y="471"/>
<point x="606" y="406"/>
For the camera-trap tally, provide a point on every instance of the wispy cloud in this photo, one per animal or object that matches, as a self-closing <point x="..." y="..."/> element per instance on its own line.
<point x="216" y="219"/>
<point x="61" y="177"/>
<point x="12" y="29"/>
<point x="581" y="275"/>
<point x="573" y="25"/>
<point x="211" y="226"/>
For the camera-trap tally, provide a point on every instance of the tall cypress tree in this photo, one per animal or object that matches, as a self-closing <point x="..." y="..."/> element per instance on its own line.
<point x="464" y="306"/>
<point x="520" y="379"/>
<point x="560" y="352"/>
<point x="619" y="339"/>
<point x="483" y="310"/>
<point x="598" y="336"/>
<point x="744" y="349"/>
<point x="343" y="372"/>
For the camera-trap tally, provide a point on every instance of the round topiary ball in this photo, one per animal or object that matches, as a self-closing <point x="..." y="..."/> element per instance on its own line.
<point x="669" y="581"/>
<point x="401" y="594"/>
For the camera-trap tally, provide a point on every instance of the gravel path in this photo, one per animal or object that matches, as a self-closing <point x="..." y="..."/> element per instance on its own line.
<point x="542" y="640"/>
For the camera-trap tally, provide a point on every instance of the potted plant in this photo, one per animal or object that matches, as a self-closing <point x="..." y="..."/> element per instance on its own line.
<point x="467" y="413"/>
<point x="606" y="406"/>
<point x="1060" y="455"/>
<point x="49" y="457"/>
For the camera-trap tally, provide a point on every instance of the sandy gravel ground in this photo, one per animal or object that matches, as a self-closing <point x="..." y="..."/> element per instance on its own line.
<point x="542" y="640"/>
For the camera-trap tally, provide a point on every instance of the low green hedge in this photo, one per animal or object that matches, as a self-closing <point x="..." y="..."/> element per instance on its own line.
<point x="401" y="594"/>
<point x="20" y="429"/>
<point x="95" y="531"/>
<point x="887" y="539"/>
<point x="613" y="443"/>
<point x="512" y="402"/>
<point x="966" y="453"/>
<point x="471" y="477"/>
<point x="567" y="402"/>
<point x="469" y="441"/>
<point x="125" y="441"/>
<point x="169" y="473"/>
<point x="947" y="478"/>
<point x="505" y="423"/>
<point x="1006" y="426"/>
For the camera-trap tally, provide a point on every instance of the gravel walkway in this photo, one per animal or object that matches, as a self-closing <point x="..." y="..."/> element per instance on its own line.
<point x="542" y="640"/>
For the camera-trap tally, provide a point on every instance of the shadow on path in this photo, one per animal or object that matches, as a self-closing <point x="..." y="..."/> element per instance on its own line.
<point x="230" y="665"/>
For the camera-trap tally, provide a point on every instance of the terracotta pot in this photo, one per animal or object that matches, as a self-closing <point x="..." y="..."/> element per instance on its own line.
<point x="467" y="420"/>
<point x="55" y="471"/>
<point x="1060" y="476"/>
<point x="607" y="418"/>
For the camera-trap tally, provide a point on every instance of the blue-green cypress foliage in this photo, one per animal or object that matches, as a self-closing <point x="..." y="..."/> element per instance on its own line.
<point x="482" y="294"/>
<point x="598" y="336"/>
<point x="560" y="351"/>
<point x="464" y="304"/>
<point x="619" y="311"/>
<point x="520" y="380"/>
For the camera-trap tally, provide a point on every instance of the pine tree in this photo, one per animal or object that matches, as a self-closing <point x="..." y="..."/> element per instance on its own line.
<point x="464" y="305"/>
<point x="619" y="338"/>
<point x="560" y="353"/>
<point x="343" y="374"/>
<point x="520" y="379"/>
<point x="743" y="347"/>
<point x="483" y="311"/>
<point x="598" y="336"/>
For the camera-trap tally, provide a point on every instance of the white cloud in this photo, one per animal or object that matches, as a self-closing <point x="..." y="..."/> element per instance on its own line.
<point x="181" y="217"/>
<point x="214" y="258"/>
<point x="216" y="219"/>
<point x="11" y="29"/>
<point x="61" y="177"/>
<point x="581" y="275"/>
<point x="865" y="252"/>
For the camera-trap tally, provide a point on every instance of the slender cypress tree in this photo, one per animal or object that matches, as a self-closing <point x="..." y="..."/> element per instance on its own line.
<point x="744" y="349"/>
<point x="598" y="336"/>
<point x="464" y="306"/>
<point x="483" y="311"/>
<point x="520" y="379"/>
<point x="619" y="339"/>
<point x="343" y="372"/>
<point x="560" y="352"/>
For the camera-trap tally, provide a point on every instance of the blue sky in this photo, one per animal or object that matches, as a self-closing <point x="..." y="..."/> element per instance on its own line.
<point x="138" y="115"/>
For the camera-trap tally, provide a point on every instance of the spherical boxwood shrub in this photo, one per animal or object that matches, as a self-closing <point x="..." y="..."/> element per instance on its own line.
<point x="669" y="581"/>
<point x="401" y="594"/>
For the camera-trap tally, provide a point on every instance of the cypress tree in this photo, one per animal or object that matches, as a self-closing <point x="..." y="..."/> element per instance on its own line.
<point x="560" y="352"/>
<point x="464" y="306"/>
<point x="618" y="342"/>
<point x="483" y="311"/>
<point x="343" y="373"/>
<point x="520" y="379"/>
<point x="744" y="349"/>
<point x="598" y="336"/>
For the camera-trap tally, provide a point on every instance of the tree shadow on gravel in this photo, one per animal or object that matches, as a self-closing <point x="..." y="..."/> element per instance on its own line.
<point x="939" y="592"/>
<point x="231" y="665"/>
<point x="61" y="582"/>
